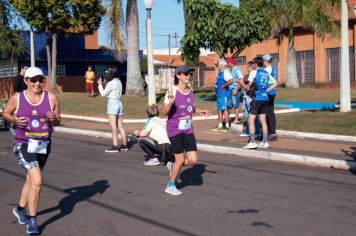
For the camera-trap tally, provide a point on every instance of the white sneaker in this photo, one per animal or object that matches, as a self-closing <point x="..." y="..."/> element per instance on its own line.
<point x="244" y="135"/>
<point x="152" y="162"/>
<point x="250" y="146"/>
<point x="263" y="145"/>
<point x="172" y="190"/>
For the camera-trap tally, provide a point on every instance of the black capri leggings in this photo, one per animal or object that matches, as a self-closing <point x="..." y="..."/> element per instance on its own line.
<point x="152" y="147"/>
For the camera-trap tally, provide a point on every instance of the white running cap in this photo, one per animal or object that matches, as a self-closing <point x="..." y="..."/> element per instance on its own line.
<point x="32" y="72"/>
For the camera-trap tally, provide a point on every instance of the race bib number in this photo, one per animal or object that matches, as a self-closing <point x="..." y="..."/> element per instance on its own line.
<point x="37" y="146"/>
<point x="185" y="124"/>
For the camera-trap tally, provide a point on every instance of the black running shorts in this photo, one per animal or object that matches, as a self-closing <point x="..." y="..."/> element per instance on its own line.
<point x="30" y="160"/>
<point x="183" y="143"/>
<point x="259" y="107"/>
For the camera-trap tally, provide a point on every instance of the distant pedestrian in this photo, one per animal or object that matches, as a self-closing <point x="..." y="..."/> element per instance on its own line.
<point x="223" y="96"/>
<point x="115" y="109"/>
<point x="34" y="112"/>
<point x="259" y="104"/>
<point x="89" y="81"/>
<point x="235" y="87"/>
<point x="19" y="83"/>
<point x="153" y="139"/>
<point x="271" y="116"/>
<point x="179" y="105"/>
<point x="247" y="99"/>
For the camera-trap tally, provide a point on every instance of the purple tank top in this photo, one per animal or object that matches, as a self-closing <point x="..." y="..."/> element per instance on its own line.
<point x="181" y="114"/>
<point x="38" y="126"/>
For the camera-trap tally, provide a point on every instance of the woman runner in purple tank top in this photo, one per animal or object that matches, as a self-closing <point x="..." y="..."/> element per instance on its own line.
<point x="179" y="105"/>
<point x="34" y="112"/>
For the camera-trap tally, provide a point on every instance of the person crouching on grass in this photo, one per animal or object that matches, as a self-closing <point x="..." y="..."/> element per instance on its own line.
<point x="179" y="105"/>
<point x="115" y="109"/>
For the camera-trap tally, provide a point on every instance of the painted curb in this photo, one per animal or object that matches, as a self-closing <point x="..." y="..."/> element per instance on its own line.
<point x="266" y="155"/>
<point x="295" y="134"/>
<point x="131" y="121"/>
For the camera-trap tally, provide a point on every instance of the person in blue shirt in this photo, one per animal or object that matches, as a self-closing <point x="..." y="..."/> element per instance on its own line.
<point x="259" y="105"/>
<point x="235" y="87"/>
<point x="270" y="116"/>
<point x="223" y="95"/>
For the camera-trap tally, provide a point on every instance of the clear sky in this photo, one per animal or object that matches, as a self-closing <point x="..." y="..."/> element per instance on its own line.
<point x="167" y="18"/>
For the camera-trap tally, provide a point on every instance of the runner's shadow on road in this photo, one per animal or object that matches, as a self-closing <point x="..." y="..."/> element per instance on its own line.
<point x="75" y="195"/>
<point x="192" y="176"/>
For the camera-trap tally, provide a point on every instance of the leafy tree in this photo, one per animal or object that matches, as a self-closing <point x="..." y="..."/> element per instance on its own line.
<point x="285" y="16"/>
<point x="11" y="44"/>
<point x="222" y="27"/>
<point x="116" y="24"/>
<point x="59" y="16"/>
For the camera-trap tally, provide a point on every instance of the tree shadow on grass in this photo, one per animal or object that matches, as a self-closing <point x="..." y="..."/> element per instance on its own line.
<point x="75" y="195"/>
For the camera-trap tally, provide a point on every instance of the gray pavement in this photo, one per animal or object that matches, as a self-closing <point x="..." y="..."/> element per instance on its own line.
<point x="89" y="192"/>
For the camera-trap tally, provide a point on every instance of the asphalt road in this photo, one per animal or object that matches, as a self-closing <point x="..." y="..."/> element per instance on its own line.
<point x="89" y="192"/>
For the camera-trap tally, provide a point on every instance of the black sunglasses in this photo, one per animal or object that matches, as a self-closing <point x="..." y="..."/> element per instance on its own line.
<point x="36" y="79"/>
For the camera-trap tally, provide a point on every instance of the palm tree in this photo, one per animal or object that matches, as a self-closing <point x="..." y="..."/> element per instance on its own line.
<point x="134" y="85"/>
<point x="285" y="15"/>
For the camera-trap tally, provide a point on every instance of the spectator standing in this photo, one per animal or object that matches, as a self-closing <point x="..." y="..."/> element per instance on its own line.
<point x="223" y="96"/>
<point x="115" y="109"/>
<point x="270" y="116"/>
<point x="89" y="81"/>
<point x="19" y="83"/>
<point x="153" y="139"/>
<point x="259" y="104"/>
<point x="235" y="87"/>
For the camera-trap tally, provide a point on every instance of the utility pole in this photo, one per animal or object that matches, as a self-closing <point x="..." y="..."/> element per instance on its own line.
<point x="175" y="38"/>
<point x="169" y="49"/>
<point x="345" y="96"/>
<point x="32" y="48"/>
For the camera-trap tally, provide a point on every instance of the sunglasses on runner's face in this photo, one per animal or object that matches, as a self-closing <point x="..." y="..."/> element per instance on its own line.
<point x="36" y="79"/>
<point x="187" y="73"/>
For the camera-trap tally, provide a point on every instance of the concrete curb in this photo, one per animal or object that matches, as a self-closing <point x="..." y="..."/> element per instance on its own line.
<point x="130" y="121"/>
<point x="266" y="155"/>
<point x="295" y="134"/>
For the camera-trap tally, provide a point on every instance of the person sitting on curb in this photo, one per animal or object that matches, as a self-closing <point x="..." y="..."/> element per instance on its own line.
<point x="153" y="139"/>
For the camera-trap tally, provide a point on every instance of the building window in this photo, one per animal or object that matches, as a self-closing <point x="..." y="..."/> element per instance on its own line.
<point x="240" y="61"/>
<point x="61" y="70"/>
<point x="306" y="67"/>
<point x="99" y="70"/>
<point x="333" y="57"/>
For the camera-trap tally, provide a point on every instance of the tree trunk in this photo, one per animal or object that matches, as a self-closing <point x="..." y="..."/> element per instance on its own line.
<point x="54" y="63"/>
<point x="134" y="82"/>
<point x="292" y="75"/>
<point x="49" y="61"/>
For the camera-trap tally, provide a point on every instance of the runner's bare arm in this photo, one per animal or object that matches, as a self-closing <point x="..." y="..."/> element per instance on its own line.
<point x="8" y="113"/>
<point x="54" y="116"/>
<point x="167" y="105"/>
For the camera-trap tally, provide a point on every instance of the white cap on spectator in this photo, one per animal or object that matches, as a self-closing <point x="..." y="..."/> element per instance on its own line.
<point x="267" y="57"/>
<point x="32" y="72"/>
<point x="222" y="62"/>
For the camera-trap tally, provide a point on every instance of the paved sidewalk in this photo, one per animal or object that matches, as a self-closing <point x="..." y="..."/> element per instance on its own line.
<point x="333" y="150"/>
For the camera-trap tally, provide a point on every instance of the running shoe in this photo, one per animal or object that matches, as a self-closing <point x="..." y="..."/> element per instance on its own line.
<point x="152" y="162"/>
<point x="217" y="129"/>
<point x="263" y="145"/>
<point x="173" y="190"/>
<point x="244" y="135"/>
<point x="32" y="227"/>
<point x="20" y="215"/>
<point x="250" y="145"/>
<point x="124" y="148"/>
<point x="112" y="149"/>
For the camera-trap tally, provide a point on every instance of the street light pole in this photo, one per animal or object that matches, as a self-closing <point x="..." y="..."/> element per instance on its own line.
<point x="32" y="48"/>
<point x="151" y="82"/>
<point x="345" y="97"/>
